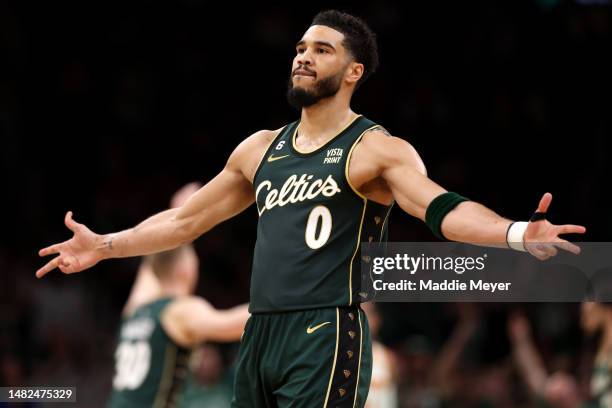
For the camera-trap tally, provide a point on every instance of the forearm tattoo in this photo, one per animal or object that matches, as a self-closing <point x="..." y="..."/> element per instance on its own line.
<point x="109" y="243"/>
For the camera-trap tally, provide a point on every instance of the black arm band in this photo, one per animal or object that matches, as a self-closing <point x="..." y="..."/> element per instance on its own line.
<point x="438" y="208"/>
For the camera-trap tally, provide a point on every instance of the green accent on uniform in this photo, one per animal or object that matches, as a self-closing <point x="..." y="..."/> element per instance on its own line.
<point x="439" y="208"/>
<point x="149" y="367"/>
<point x="291" y="187"/>
<point x="282" y="365"/>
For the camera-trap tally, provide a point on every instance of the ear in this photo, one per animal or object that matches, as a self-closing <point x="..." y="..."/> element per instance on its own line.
<point x="354" y="72"/>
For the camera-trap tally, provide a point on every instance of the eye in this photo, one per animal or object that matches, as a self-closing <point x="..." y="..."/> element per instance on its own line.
<point x="322" y="51"/>
<point x="300" y="50"/>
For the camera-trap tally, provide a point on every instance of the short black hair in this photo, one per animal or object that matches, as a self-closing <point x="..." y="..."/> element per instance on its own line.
<point x="359" y="39"/>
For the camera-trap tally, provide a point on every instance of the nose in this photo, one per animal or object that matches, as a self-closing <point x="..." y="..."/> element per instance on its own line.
<point x="305" y="58"/>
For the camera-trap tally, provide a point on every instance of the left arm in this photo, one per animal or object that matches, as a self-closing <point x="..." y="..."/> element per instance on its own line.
<point x="400" y="166"/>
<point x="404" y="172"/>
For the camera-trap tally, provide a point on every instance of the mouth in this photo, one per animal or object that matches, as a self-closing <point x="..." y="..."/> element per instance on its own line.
<point x="303" y="73"/>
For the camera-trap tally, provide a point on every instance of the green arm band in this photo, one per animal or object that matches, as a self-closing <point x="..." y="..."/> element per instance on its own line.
<point x="438" y="208"/>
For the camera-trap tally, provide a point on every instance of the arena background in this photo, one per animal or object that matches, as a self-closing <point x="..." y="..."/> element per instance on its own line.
<point x="107" y="109"/>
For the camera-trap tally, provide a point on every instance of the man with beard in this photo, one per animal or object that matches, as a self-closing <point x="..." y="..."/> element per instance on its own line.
<point x="322" y="185"/>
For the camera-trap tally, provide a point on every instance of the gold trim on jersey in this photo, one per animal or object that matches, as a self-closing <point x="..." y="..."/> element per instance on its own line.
<point x="365" y="201"/>
<point x="324" y="144"/>
<point x="167" y="374"/>
<point x="348" y="161"/>
<point x="360" y="352"/>
<point x="331" y="376"/>
<point x="382" y="228"/>
<point x="365" y="204"/>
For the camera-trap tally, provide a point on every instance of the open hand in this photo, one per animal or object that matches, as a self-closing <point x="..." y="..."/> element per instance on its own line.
<point x="542" y="238"/>
<point x="78" y="253"/>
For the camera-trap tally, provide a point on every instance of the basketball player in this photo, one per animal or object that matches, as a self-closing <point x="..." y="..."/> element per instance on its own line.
<point x="161" y="322"/>
<point x="322" y="185"/>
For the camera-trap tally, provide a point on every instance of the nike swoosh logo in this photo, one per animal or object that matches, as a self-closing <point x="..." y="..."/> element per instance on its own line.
<point x="271" y="159"/>
<point x="311" y="330"/>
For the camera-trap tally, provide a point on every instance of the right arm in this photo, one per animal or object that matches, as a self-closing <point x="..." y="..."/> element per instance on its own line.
<point x="225" y="196"/>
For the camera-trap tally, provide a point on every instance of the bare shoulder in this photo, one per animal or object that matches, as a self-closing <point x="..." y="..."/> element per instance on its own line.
<point x="250" y="151"/>
<point x="381" y="147"/>
<point x="258" y="141"/>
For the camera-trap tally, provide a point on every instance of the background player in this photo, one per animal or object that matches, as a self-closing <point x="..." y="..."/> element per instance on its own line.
<point x="161" y="322"/>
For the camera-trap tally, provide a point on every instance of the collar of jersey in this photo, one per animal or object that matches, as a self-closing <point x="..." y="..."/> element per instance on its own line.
<point x="318" y="149"/>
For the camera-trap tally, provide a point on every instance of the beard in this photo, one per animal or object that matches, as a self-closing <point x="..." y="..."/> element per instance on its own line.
<point x="299" y="97"/>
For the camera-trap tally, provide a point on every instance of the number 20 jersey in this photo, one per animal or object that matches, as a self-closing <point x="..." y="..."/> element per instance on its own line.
<point x="311" y="224"/>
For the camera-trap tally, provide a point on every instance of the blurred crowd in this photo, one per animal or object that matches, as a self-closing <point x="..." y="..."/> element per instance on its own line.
<point x="105" y="109"/>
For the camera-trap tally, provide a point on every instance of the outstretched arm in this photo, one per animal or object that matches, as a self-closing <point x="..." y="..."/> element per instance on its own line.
<point x="226" y="195"/>
<point x="192" y="320"/>
<point x="403" y="171"/>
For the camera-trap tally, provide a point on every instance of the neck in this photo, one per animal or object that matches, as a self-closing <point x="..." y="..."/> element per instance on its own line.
<point x="326" y="117"/>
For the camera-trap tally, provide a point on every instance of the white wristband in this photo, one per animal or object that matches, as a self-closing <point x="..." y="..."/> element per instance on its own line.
<point x="515" y="235"/>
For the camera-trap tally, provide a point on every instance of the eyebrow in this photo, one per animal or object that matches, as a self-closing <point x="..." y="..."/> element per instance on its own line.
<point x="320" y="43"/>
